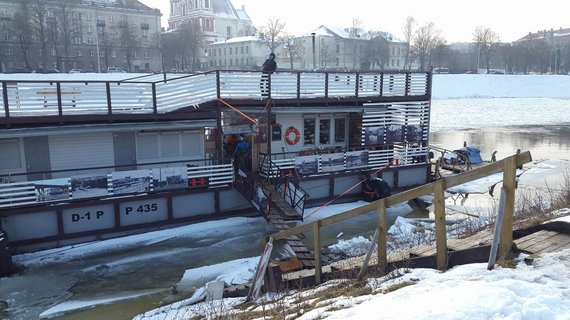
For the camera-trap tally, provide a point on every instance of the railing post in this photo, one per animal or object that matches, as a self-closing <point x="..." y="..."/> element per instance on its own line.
<point x="509" y="184"/>
<point x="5" y="98"/>
<point x="269" y="89"/>
<point x="317" y="245"/>
<point x="381" y="83"/>
<point x="109" y="105"/>
<point x="440" y="231"/>
<point x="59" y="104"/>
<point x="154" y="104"/>
<point x="298" y="85"/>
<point x="218" y="89"/>
<point x="357" y="82"/>
<point x="408" y="81"/>
<point x="382" y="236"/>
<point x="326" y="84"/>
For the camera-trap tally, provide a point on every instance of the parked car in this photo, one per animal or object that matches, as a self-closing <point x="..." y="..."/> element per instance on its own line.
<point x="115" y="70"/>
<point x="76" y="71"/>
<point x="493" y="71"/>
<point x="23" y="70"/>
<point x="441" y="70"/>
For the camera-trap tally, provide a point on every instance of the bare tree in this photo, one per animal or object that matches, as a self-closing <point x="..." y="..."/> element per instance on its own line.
<point x="486" y="40"/>
<point x="271" y="35"/>
<point x="326" y="52"/>
<point x="409" y="32"/>
<point x="66" y="28"/>
<point x="23" y="32"/>
<point x="354" y="34"/>
<point x="293" y="47"/>
<point x="426" y="39"/>
<point x="377" y="51"/>
<point x="192" y="41"/>
<point x="127" y="36"/>
<point x="39" y="10"/>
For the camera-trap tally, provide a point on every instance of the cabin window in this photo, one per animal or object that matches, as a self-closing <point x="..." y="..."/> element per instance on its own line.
<point x="309" y="131"/>
<point x="147" y="146"/>
<point x="324" y="131"/>
<point x="339" y="129"/>
<point x="169" y="145"/>
<point x="10" y="154"/>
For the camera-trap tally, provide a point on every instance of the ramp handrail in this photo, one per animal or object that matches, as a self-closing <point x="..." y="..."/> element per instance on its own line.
<point x="507" y="166"/>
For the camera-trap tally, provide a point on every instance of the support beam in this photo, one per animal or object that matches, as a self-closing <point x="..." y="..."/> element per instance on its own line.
<point x="509" y="185"/>
<point x="382" y="236"/>
<point x="440" y="231"/>
<point x="317" y="249"/>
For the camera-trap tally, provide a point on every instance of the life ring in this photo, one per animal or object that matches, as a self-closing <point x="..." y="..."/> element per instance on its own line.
<point x="295" y="139"/>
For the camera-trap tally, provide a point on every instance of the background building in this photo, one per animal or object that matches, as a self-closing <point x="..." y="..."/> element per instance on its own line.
<point x="87" y="34"/>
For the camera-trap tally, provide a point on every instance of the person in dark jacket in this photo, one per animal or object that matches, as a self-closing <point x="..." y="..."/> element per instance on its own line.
<point x="268" y="67"/>
<point x="241" y="154"/>
<point x="374" y="189"/>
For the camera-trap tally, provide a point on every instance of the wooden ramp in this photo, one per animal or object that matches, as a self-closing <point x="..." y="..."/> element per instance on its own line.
<point x="546" y="238"/>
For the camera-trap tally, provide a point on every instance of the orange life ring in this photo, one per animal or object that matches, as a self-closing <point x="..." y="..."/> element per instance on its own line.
<point x="297" y="135"/>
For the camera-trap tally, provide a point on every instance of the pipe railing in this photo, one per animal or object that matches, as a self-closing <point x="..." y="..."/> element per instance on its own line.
<point x="507" y="166"/>
<point x="149" y="95"/>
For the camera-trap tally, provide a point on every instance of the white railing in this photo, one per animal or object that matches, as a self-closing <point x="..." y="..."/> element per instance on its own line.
<point x="29" y="193"/>
<point x="157" y="94"/>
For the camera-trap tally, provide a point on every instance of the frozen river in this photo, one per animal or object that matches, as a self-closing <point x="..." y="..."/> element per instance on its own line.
<point x="146" y="269"/>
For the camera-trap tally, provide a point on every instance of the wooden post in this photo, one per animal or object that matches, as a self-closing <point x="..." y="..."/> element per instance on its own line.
<point x="382" y="236"/>
<point x="509" y="184"/>
<point x="440" y="231"/>
<point x="368" y="255"/>
<point x="317" y="249"/>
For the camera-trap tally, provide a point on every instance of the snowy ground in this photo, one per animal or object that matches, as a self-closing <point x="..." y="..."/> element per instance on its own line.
<point x="533" y="289"/>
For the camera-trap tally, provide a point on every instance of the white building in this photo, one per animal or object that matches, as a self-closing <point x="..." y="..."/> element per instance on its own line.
<point x="239" y="53"/>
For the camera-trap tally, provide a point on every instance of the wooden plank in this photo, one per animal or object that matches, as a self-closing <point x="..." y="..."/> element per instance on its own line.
<point x="543" y="242"/>
<point x="542" y="235"/>
<point x="555" y="243"/>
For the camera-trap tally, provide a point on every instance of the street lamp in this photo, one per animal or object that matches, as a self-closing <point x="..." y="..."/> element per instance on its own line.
<point x="314" y="54"/>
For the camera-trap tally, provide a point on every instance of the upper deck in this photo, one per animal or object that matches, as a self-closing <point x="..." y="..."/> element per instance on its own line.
<point x="164" y="97"/>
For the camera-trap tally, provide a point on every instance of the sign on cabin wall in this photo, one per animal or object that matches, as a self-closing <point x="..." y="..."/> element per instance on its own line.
<point x="144" y="211"/>
<point x="88" y="186"/>
<point x="132" y="181"/>
<point x="88" y="218"/>
<point x="276" y="132"/>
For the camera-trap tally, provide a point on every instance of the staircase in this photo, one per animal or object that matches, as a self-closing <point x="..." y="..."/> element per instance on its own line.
<point x="285" y="206"/>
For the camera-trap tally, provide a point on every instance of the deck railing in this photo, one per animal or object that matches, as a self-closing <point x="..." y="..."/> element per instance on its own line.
<point x="155" y="95"/>
<point x="105" y="182"/>
<point x="507" y="166"/>
<point x="282" y="164"/>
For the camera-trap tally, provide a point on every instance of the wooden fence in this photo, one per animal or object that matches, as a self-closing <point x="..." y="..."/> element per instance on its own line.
<point x="507" y="166"/>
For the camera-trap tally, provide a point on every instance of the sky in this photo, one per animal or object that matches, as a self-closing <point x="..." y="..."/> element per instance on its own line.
<point x="457" y="20"/>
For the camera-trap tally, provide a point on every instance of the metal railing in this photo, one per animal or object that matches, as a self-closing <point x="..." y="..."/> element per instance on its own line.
<point x="281" y="163"/>
<point x="293" y="194"/>
<point x="154" y="94"/>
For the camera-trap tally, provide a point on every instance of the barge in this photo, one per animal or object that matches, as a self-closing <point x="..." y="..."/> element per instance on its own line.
<point x="87" y="160"/>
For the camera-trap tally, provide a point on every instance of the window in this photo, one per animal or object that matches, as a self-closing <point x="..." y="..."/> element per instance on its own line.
<point x="146" y="55"/>
<point x="153" y="146"/>
<point x="231" y="51"/>
<point x="324" y="131"/>
<point x="338" y="48"/>
<point x="241" y="50"/>
<point x="246" y="49"/>
<point x="89" y="40"/>
<point x="91" y="53"/>
<point x="10" y="52"/>
<point x="309" y="131"/>
<point x="10" y="157"/>
<point x="79" y="53"/>
<point x="147" y="146"/>
<point x="339" y="129"/>
<point x="114" y="53"/>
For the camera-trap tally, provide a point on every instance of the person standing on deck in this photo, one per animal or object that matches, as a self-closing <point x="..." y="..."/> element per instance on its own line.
<point x="241" y="154"/>
<point x="268" y="67"/>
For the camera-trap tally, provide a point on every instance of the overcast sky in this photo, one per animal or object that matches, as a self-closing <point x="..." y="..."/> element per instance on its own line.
<point x="511" y="19"/>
